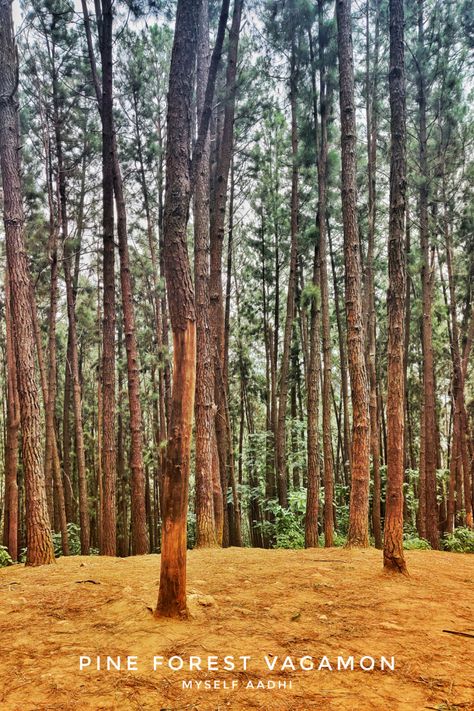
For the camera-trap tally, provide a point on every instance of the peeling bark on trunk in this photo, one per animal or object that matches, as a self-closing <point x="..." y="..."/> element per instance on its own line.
<point x="172" y="593"/>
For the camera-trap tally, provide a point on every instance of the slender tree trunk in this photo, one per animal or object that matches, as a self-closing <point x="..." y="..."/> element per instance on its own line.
<point x="372" y="126"/>
<point x="314" y="365"/>
<point x="326" y="329"/>
<point x="105" y="102"/>
<point x="109" y="514"/>
<point x="52" y="468"/>
<point x="204" y="409"/>
<point x="10" y="522"/>
<point x="217" y="230"/>
<point x="281" y="466"/>
<point x="77" y="405"/>
<point x="72" y="337"/>
<point x="140" y="544"/>
<point x="393" y="533"/>
<point x="123" y="543"/>
<point x="459" y="430"/>
<point x="344" y="368"/>
<point x="38" y="532"/>
<point x="358" y="534"/>
<point x="428" y="489"/>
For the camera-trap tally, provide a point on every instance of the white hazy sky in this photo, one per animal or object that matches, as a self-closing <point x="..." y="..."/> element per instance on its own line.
<point x="16" y="12"/>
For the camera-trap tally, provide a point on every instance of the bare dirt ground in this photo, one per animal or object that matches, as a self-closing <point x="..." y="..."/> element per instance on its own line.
<point x="244" y="602"/>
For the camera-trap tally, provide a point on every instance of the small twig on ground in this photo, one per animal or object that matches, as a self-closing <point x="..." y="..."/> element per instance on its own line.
<point x="94" y="582"/>
<point x="461" y="634"/>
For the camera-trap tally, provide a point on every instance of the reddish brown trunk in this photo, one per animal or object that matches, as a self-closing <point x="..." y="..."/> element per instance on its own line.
<point x="172" y="593"/>
<point x="38" y="532"/>
<point x="359" y="503"/>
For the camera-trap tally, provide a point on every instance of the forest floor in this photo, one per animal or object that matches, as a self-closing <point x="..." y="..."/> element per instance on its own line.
<point x="333" y="603"/>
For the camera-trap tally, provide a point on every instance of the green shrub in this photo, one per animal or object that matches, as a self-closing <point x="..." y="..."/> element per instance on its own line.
<point x="191" y="529"/>
<point x="74" y="540"/>
<point x="413" y="543"/>
<point x="461" y="541"/>
<point x="287" y="527"/>
<point x="5" y="558"/>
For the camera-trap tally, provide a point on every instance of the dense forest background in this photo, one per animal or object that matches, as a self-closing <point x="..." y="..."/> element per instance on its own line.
<point x="286" y="310"/>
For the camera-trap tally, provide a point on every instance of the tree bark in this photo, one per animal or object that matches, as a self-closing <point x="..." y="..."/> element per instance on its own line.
<point x="313" y="447"/>
<point x="217" y="229"/>
<point x="281" y="468"/>
<point x="38" y="532"/>
<point x="172" y="593"/>
<point x="428" y="488"/>
<point x="372" y="127"/>
<point x="109" y="515"/>
<point x="326" y="328"/>
<point x="358" y="534"/>
<point x="10" y="523"/>
<point x="140" y="544"/>
<point x="393" y="533"/>
<point x="207" y="535"/>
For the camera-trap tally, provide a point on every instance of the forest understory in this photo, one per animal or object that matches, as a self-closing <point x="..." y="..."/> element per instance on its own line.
<point x="334" y="602"/>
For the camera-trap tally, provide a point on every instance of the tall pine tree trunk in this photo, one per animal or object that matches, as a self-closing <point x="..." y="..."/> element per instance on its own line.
<point x="281" y="468"/>
<point x="428" y="489"/>
<point x="10" y="523"/>
<point x="372" y="126"/>
<point x="217" y="227"/>
<point x="393" y="533"/>
<point x="326" y="329"/>
<point x="206" y="533"/>
<point x="358" y="534"/>
<point x="108" y="504"/>
<point x="38" y="532"/>
<point x="172" y="593"/>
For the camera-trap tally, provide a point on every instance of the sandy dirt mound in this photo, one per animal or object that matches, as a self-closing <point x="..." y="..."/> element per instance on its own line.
<point x="314" y="603"/>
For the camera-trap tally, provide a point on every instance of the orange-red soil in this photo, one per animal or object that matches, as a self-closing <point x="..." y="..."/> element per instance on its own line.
<point x="243" y="602"/>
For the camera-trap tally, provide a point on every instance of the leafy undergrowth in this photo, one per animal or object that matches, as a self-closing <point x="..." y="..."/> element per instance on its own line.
<point x="297" y="603"/>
